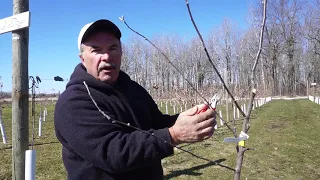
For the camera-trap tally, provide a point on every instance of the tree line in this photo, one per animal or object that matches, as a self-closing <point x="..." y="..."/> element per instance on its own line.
<point x="289" y="63"/>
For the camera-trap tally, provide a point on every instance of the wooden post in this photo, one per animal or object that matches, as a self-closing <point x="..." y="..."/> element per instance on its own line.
<point x="307" y="87"/>
<point x="3" y="132"/>
<point x="221" y="122"/>
<point x="20" y="94"/>
<point x="238" y="113"/>
<point x="227" y="106"/>
<point x="167" y="107"/>
<point x="225" y="77"/>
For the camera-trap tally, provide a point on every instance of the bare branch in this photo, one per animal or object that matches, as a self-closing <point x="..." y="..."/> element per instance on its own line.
<point x="247" y="149"/>
<point x="246" y="125"/>
<point x="146" y="132"/>
<point x="260" y="44"/>
<point x="177" y="69"/>
<point x="211" y="62"/>
<point x="168" y="60"/>
<point x="225" y="123"/>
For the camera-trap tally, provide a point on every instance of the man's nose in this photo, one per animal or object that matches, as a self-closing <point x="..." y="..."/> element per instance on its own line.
<point x="105" y="56"/>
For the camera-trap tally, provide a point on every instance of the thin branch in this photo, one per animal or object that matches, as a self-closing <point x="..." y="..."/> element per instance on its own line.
<point x="245" y="123"/>
<point x="168" y="60"/>
<point x="247" y="149"/>
<point x="312" y="38"/>
<point x="177" y="69"/>
<point x="245" y="128"/>
<point x="225" y="123"/>
<point x="211" y="62"/>
<point x="260" y="46"/>
<point x="35" y="144"/>
<point x="33" y="86"/>
<point x="146" y="132"/>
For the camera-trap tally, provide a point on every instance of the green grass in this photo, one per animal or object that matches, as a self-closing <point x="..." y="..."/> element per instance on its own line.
<point x="286" y="141"/>
<point x="48" y="150"/>
<point x="284" y="134"/>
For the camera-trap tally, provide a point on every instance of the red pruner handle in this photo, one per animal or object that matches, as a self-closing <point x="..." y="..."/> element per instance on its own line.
<point x="203" y="110"/>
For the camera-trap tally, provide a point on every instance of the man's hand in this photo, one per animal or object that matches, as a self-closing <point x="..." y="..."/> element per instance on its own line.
<point x="193" y="125"/>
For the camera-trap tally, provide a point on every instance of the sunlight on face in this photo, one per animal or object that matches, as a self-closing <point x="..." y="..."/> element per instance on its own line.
<point x="101" y="56"/>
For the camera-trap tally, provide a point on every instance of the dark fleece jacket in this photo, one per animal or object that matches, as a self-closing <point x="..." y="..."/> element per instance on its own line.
<point x="96" y="148"/>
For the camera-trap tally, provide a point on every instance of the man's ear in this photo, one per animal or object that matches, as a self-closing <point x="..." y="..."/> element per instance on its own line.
<point x="82" y="59"/>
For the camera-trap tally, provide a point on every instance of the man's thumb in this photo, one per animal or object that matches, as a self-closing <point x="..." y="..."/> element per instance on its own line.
<point x="192" y="111"/>
<point x="202" y="108"/>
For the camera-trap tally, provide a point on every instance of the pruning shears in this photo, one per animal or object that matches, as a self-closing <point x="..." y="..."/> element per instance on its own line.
<point x="213" y="102"/>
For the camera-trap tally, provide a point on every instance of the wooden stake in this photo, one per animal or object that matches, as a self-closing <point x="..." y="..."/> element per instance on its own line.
<point x="20" y="94"/>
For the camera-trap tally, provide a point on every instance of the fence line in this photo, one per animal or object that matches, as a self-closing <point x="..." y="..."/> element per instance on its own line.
<point x="315" y="99"/>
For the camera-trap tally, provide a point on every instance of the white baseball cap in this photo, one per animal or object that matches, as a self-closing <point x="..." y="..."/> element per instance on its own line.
<point x="98" y="26"/>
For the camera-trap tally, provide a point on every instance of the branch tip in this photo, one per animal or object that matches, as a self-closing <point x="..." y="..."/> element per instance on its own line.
<point x="254" y="90"/>
<point x="121" y="18"/>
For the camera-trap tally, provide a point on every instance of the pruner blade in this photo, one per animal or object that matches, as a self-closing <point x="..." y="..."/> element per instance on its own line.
<point x="214" y="100"/>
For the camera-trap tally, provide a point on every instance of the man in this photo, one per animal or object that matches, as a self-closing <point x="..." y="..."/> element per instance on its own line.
<point x="97" y="148"/>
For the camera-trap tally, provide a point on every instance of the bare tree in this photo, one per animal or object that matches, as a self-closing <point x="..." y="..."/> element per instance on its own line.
<point x="312" y="36"/>
<point x="286" y="59"/>
<point x="285" y="18"/>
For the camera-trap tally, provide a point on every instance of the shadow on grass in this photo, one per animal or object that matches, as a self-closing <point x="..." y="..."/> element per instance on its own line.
<point x="191" y="171"/>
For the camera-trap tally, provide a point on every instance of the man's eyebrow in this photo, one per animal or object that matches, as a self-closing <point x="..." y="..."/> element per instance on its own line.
<point x="95" y="47"/>
<point x="114" y="45"/>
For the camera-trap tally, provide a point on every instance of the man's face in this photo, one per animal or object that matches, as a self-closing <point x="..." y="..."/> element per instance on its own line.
<point x="101" y="55"/>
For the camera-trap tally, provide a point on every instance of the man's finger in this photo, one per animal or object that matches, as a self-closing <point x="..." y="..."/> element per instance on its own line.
<point x="206" y="123"/>
<point x="207" y="132"/>
<point x="190" y="112"/>
<point x="206" y="115"/>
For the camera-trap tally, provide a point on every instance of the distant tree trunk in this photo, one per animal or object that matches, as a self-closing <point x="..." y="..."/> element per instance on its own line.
<point x="291" y="66"/>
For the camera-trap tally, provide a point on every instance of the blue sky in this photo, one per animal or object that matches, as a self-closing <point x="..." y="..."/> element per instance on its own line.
<point x="55" y="26"/>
